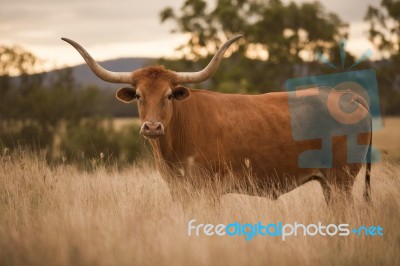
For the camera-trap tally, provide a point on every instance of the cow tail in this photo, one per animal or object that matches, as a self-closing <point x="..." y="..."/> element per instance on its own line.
<point x="367" y="193"/>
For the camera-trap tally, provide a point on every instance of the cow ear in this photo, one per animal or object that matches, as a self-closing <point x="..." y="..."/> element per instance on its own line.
<point x="126" y="94"/>
<point x="180" y="93"/>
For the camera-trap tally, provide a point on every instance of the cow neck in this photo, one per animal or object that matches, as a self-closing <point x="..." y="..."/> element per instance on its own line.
<point x="174" y="139"/>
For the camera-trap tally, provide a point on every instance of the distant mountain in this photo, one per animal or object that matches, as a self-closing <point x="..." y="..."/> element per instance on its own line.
<point x="84" y="76"/>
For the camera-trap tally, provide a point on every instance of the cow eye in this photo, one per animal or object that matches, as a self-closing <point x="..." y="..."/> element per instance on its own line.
<point x="169" y="96"/>
<point x="139" y="99"/>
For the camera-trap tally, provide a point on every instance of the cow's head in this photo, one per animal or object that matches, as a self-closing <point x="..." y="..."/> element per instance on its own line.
<point x="153" y="88"/>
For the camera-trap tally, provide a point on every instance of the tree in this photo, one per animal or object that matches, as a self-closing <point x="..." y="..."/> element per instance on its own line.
<point x="31" y="110"/>
<point x="57" y="115"/>
<point x="15" y="61"/>
<point x="283" y="32"/>
<point x="278" y="38"/>
<point x="384" y="26"/>
<point x="384" y="33"/>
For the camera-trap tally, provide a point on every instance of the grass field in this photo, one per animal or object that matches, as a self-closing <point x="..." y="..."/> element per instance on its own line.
<point x="58" y="215"/>
<point x="387" y="139"/>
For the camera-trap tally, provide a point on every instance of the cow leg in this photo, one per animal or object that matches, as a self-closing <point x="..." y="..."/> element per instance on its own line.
<point x="346" y="183"/>
<point x="342" y="181"/>
<point x="326" y="190"/>
<point x="175" y="180"/>
<point x="345" y="188"/>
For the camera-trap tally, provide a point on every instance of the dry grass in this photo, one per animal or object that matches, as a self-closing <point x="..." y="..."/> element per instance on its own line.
<point x="387" y="138"/>
<point x="60" y="216"/>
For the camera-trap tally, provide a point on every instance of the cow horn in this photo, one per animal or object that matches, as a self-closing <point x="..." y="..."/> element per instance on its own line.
<point x="104" y="74"/>
<point x="194" y="77"/>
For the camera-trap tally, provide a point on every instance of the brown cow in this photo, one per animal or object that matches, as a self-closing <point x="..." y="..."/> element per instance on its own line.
<point x="220" y="134"/>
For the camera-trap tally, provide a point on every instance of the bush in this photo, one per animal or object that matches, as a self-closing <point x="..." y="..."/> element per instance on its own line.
<point x="29" y="135"/>
<point x="95" y="141"/>
<point x="132" y="144"/>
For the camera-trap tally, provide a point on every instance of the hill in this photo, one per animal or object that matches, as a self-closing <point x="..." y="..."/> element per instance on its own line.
<point x="84" y="76"/>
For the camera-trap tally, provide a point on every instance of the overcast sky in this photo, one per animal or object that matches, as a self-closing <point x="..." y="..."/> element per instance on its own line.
<point x="123" y="28"/>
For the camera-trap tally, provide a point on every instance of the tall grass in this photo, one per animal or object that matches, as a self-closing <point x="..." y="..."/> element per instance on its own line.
<point x="58" y="215"/>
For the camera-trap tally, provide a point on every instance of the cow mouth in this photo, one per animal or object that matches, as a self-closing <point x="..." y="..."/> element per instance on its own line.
<point x="153" y="136"/>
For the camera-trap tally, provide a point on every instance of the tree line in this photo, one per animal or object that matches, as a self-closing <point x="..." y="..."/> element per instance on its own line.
<point x="70" y="123"/>
<point x="281" y="41"/>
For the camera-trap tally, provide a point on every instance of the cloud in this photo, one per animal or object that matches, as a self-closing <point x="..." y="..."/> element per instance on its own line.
<point x="91" y="21"/>
<point x="105" y="25"/>
<point x="348" y="10"/>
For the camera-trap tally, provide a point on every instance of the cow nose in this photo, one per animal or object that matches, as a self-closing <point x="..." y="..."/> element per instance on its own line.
<point x="152" y="129"/>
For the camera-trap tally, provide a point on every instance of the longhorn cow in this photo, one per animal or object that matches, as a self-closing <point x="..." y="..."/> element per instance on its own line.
<point x="224" y="134"/>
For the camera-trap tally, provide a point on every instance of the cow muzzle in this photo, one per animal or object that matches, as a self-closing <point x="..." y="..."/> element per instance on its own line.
<point x="152" y="129"/>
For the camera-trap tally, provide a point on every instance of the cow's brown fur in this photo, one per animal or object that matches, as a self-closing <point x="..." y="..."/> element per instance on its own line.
<point x="221" y="133"/>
